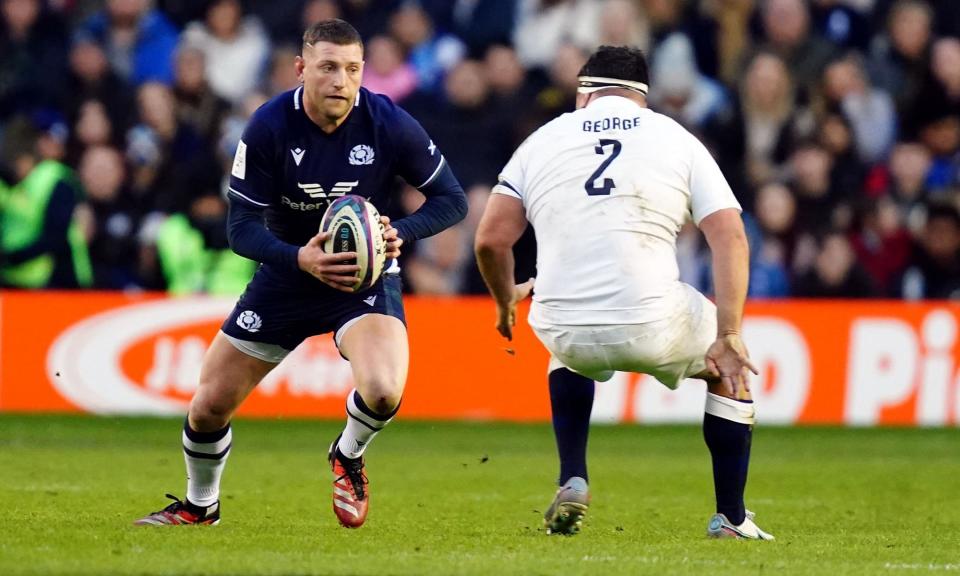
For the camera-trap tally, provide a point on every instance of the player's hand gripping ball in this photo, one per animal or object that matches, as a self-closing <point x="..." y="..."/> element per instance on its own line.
<point x="355" y="226"/>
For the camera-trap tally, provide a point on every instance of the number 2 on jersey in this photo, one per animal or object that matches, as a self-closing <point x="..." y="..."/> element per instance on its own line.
<point x="608" y="184"/>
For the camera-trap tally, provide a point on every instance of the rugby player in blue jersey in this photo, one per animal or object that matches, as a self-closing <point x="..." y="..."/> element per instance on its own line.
<point x="303" y="148"/>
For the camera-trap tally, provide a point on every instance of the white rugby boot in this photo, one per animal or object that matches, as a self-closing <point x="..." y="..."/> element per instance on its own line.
<point x="721" y="527"/>
<point x="569" y="506"/>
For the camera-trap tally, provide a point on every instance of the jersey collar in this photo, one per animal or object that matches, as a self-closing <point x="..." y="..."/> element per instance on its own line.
<point x="298" y="99"/>
<point x="611" y="101"/>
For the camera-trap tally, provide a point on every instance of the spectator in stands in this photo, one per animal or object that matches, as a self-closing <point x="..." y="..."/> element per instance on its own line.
<point x="731" y="18"/>
<point x="504" y="73"/>
<point x="430" y="54"/>
<point x="385" y="71"/>
<point x="91" y="78"/>
<point x="787" y="32"/>
<point x="482" y="23"/>
<point x="909" y="166"/>
<point x="112" y="231"/>
<point x="870" y="111"/>
<point x="41" y="242"/>
<point x="139" y="41"/>
<point x="197" y="105"/>
<point x="545" y="26"/>
<point x="194" y="256"/>
<point x="847" y="174"/>
<point x="940" y="133"/>
<point x="236" y="47"/>
<point x="809" y="169"/>
<point x="32" y="56"/>
<point x="899" y="59"/>
<point x="769" y="277"/>
<point x="935" y="267"/>
<point x="678" y="89"/>
<point x="775" y="212"/>
<point x="836" y="273"/>
<point x="92" y="127"/>
<point x="751" y="139"/>
<point x="881" y="242"/>
<point x="171" y="163"/>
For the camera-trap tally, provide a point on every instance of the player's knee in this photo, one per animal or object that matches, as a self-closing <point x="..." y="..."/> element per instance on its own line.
<point x="209" y="415"/>
<point x="385" y="403"/>
<point x="382" y="395"/>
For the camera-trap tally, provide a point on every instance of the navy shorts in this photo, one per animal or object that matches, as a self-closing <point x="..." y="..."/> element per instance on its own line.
<point x="278" y="316"/>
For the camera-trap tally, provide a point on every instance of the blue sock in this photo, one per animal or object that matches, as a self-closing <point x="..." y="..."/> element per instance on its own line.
<point x="571" y="399"/>
<point x="729" y="444"/>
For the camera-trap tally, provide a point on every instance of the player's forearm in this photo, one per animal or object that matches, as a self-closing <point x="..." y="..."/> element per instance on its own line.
<point x="496" y="267"/>
<point x="437" y="214"/>
<point x="731" y="274"/>
<point x="446" y="205"/>
<point x="250" y="238"/>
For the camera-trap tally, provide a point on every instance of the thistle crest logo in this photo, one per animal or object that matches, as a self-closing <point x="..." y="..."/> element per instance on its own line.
<point x="361" y="155"/>
<point x="249" y="321"/>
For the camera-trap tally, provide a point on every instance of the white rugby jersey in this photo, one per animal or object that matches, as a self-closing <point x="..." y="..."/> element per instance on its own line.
<point x="607" y="189"/>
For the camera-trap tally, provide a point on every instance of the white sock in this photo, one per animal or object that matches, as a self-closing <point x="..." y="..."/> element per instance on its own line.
<point x="206" y="455"/>
<point x="362" y="425"/>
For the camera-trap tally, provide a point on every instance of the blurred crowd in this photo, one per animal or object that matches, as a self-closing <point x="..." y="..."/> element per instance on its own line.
<point x="837" y="122"/>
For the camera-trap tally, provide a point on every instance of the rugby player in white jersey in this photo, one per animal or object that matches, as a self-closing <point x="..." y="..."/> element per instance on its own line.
<point x="607" y="188"/>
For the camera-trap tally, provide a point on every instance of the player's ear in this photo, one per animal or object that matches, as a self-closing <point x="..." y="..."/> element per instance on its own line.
<point x="582" y="100"/>
<point x="299" y="64"/>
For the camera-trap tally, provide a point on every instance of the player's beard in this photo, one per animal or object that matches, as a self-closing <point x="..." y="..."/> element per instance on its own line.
<point x="336" y="109"/>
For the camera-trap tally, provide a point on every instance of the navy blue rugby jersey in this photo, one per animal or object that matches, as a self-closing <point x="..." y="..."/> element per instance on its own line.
<point x="290" y="169"/>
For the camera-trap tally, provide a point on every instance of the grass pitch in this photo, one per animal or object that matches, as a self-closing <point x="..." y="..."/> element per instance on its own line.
<point x="468" y="499"/>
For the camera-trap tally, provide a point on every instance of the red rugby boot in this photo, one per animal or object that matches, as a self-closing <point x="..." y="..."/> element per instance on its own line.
<point x="179" y="513"/>
<point x="350" y="488"/>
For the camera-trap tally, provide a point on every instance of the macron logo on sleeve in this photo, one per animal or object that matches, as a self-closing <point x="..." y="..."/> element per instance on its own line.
<point x="240" y="161"/>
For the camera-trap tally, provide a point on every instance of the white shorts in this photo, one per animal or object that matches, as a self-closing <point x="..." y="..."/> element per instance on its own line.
<point x="669" y="350"/>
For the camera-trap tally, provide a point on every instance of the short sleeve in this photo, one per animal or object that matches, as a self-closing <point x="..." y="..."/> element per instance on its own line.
<point x="709" y="190"/>
<point x="251" y="177"/>
<point x="419" y="160"/>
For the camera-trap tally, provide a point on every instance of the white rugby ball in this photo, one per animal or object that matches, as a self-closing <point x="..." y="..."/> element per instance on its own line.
<point x="355" y="226"/>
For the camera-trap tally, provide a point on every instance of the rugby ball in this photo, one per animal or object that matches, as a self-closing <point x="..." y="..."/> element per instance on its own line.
<point x="355" y="226"/>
